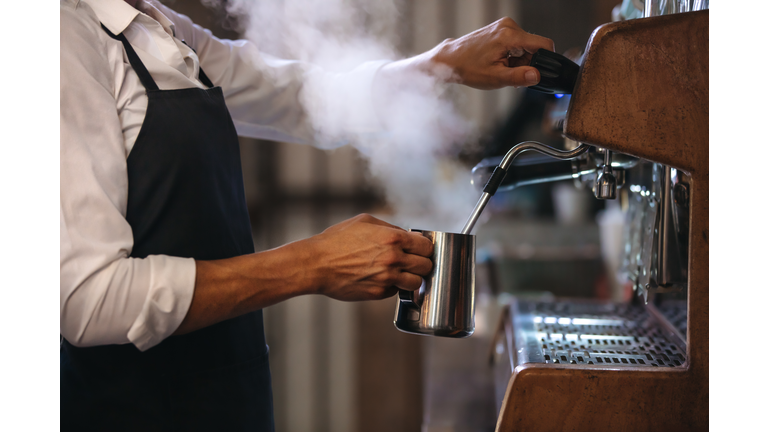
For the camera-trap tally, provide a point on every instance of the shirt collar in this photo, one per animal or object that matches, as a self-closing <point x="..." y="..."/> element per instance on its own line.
<point x="154" y="12"/>
<point x="117" y="15"/>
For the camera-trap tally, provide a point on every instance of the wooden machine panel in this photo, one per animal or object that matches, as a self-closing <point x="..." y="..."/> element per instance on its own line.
<point x="643" y="90"/>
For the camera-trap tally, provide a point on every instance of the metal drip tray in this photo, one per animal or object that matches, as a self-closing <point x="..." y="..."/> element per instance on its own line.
<point x="608" y="334"/>
<point x="676" y="312"/>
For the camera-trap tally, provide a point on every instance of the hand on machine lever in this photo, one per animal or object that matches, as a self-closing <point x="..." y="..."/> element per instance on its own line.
<point x="495" y="56"/>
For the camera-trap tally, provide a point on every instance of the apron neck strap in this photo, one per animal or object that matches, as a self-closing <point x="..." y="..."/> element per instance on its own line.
<point x="133" y="58"/>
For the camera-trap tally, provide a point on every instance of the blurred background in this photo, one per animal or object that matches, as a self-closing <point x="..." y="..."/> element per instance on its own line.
<point x="343" y="367"/>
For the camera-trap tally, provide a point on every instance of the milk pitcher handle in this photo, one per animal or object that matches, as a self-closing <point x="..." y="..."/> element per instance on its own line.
<point x="406" y="296"/>
<point x="414" y="297"/>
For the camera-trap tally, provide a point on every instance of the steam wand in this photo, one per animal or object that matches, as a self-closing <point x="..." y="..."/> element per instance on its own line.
<point x="501" y="171"/>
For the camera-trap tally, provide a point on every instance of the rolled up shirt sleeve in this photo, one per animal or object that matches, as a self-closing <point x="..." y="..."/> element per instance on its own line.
<point x="106" y="297"/>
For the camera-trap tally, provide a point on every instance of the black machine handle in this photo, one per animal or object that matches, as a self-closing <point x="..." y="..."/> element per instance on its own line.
<point x="558" y="73"/>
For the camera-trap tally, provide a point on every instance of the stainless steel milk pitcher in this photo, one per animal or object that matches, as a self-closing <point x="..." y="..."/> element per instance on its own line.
<point x="445" y="303"/>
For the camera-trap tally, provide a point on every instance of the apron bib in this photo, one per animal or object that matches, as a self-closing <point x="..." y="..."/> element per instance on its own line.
<point x="185" y="199"/>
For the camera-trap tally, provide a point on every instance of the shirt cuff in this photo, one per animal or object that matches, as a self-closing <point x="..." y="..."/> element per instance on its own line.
<point x="171" y="288"/>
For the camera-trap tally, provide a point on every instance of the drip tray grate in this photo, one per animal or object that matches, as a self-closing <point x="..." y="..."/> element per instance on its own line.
<point x="595" y="334"/>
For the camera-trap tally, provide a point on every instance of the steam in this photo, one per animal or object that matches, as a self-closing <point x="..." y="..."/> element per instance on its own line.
<point x="412" y="142"/>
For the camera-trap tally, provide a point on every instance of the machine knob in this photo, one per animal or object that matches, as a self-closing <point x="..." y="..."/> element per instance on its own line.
<point x="558" y="73"/>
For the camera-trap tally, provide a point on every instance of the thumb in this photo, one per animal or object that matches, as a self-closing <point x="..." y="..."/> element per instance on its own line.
<point x="521" y="76"/>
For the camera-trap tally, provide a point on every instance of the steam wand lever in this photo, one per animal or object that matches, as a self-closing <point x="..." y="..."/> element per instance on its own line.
<point x="501" y="171"/>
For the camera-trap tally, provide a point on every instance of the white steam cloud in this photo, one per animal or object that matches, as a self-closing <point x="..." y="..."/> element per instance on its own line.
<point x="414" y="155"/>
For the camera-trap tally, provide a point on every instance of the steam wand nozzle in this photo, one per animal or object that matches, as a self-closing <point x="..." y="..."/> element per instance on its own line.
<point x="605" y="183"/>
<point x="501" y="171"/>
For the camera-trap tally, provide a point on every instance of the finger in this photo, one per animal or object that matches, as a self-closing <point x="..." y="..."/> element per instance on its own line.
<point x="417" y="265"/>
<point x="522" y="60"/>
<point x="532" y="43"/>
<point x="416" y="243"/>
<point x="515" y="52"/>
<point x="521" y="76"/>
<point x="408" y="281"/>
<point x="389" y="292"/>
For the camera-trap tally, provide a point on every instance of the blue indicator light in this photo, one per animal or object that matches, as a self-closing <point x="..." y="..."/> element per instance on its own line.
<point x="558" y="96"/>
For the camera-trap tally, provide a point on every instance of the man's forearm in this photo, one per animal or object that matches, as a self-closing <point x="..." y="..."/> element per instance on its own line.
<point x="362" y="258"/>
<point x="232" y="287"/>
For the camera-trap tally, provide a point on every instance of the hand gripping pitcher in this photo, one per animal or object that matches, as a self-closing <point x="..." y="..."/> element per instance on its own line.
<point x="444" y="305"/>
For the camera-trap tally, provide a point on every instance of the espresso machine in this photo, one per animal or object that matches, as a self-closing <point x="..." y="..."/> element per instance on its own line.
<point x="638" y="115"/>
<point x="636" y="129"/>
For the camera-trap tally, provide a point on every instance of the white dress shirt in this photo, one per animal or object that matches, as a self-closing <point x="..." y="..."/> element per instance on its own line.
<point x="107" y="297"/>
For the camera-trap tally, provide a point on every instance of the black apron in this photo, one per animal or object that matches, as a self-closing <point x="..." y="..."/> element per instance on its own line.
<point x="185" y="199"/>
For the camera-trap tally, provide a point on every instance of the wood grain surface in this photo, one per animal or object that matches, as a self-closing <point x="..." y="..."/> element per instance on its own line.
<point x="644" y="91"/>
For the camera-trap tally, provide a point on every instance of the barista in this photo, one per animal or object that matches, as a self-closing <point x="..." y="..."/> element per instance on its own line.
<point x="161" y="291"/>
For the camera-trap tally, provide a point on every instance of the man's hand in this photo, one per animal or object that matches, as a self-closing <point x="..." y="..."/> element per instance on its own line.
<point x="362" y="258"/>
<point x="365" y="258"/>
<point x="492" y="57"/>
